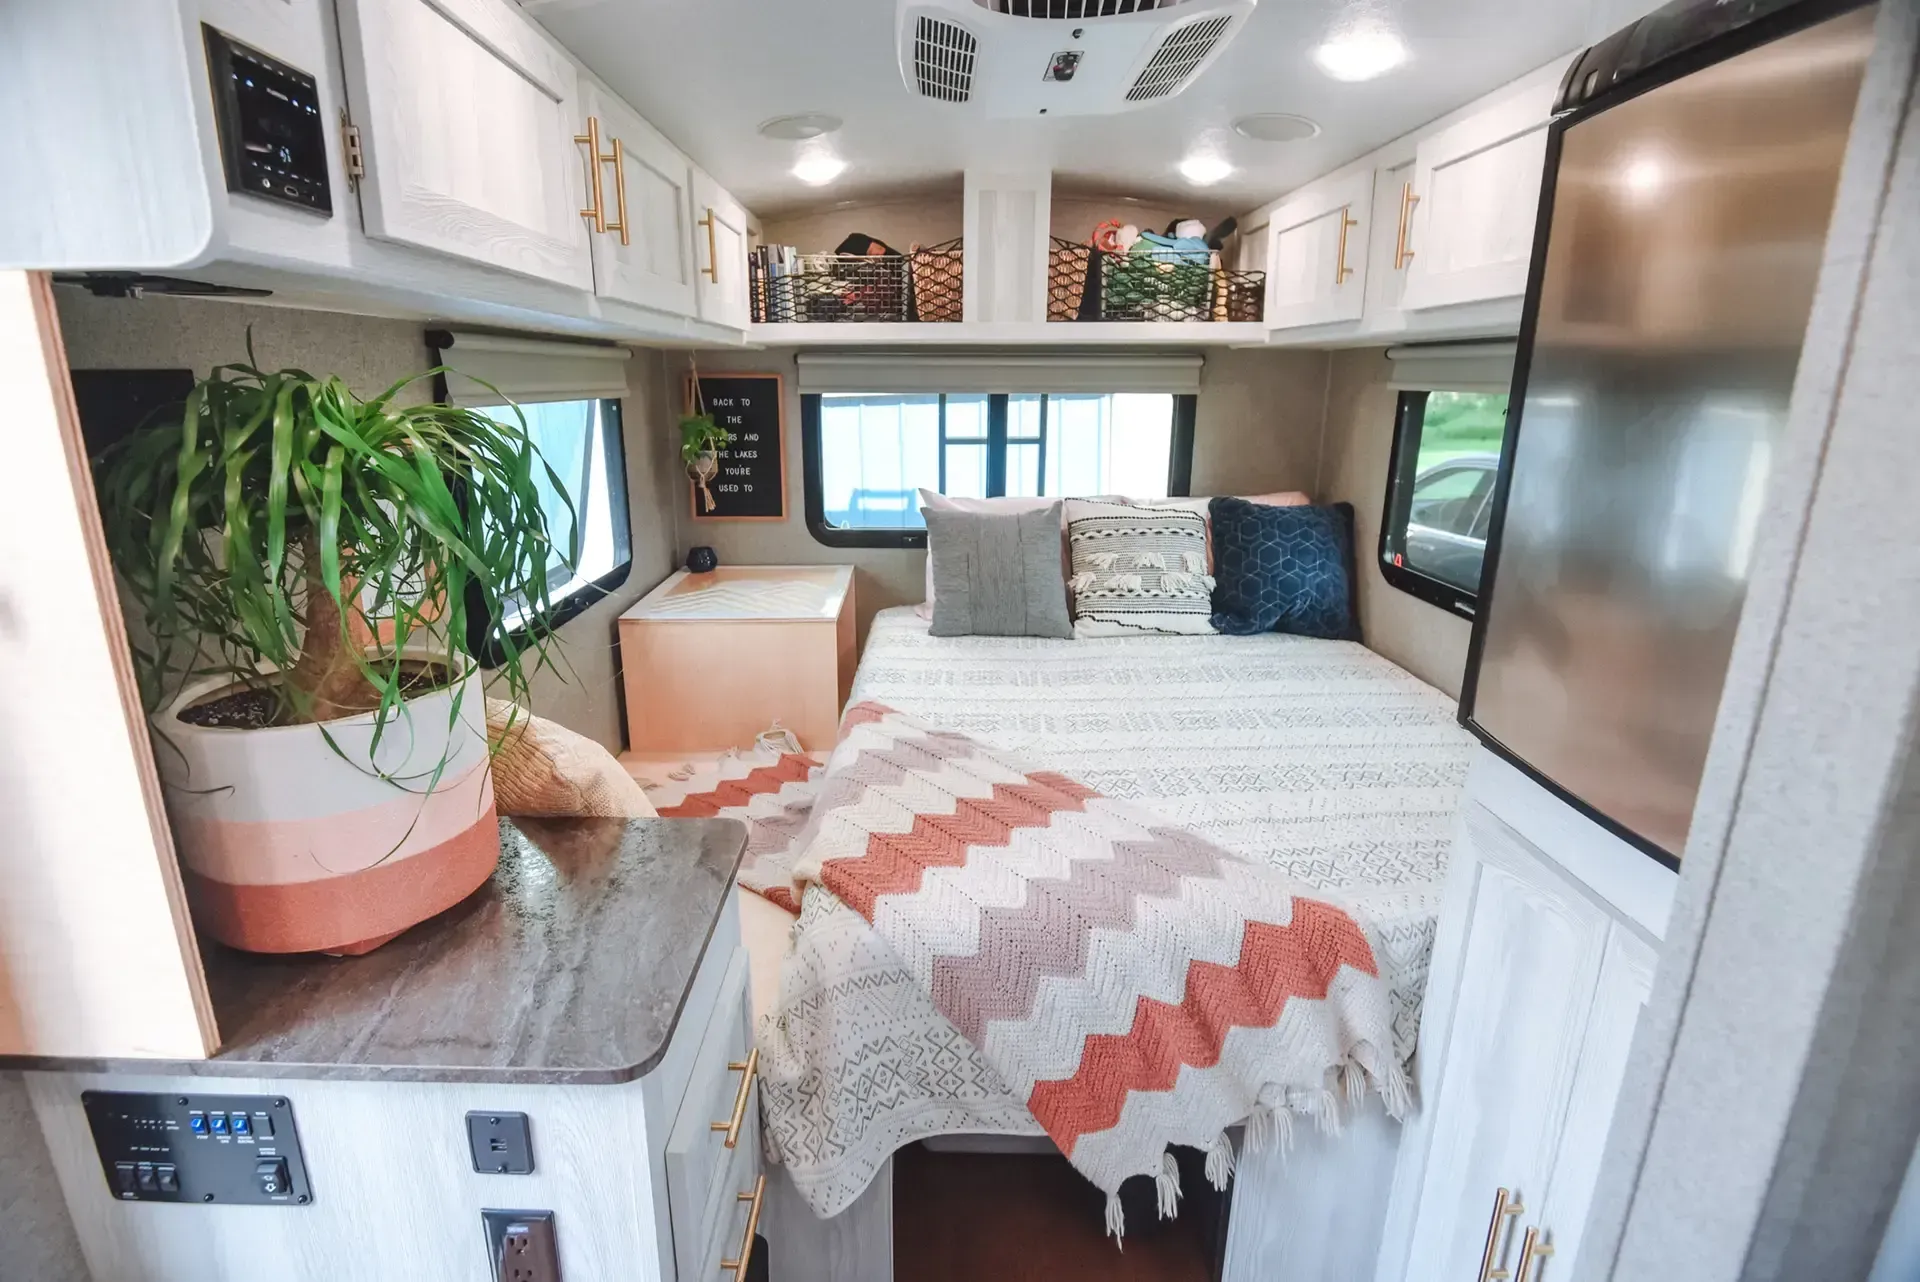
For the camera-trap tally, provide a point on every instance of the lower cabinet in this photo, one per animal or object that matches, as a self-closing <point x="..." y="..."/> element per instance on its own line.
<point x="1536" y="987"/>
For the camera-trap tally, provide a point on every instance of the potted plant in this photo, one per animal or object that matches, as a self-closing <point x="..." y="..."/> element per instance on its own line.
<point x="701" y="440"/>
<point x="310" y="578"/>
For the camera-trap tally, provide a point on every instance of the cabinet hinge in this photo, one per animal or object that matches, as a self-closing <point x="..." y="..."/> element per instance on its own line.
<point x="350" y="143"/>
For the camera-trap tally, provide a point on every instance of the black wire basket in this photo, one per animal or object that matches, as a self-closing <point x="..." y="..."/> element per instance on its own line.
<point x="1088" y="284"/>
<point x="819" y="289"/>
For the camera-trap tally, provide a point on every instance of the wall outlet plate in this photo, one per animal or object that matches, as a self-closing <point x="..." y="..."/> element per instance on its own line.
<point x="522" y="1246"/>
<point x="501" y="1143"/>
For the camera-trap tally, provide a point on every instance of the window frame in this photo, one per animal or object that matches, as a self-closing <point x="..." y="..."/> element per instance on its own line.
<point x="1403" y="467"/>
<point x="492" y="653"/>
<point x="1179" y="465"/>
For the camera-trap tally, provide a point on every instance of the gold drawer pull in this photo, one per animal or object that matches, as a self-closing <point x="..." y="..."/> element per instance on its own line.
<point x="732" y="1125"/>
<point x="1401" y="254"/>
<point x="713" y="247"/>
<point x="1531" y="1249"/>
<point x="595" y="214"/>
<point x="1340" y="269"/>
<point x="739" y="1266"/>
<point x="1505" y="1206"/>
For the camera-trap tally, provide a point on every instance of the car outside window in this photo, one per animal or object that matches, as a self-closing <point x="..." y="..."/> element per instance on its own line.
<point x="1440" y="494"/>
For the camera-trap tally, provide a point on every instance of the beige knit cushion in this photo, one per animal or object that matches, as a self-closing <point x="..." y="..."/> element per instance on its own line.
<point x="542" y="768"/>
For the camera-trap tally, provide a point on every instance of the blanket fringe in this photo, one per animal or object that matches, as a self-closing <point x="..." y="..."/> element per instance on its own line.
<point x="1116" y="1219"/>
<point x="1166" y="1187"/>
<point x="1220" y="1161"/>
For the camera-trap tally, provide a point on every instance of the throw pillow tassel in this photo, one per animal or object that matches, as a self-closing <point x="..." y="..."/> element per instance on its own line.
<point x="1220" y="1161"/>
<point x="1166" y="1186"/>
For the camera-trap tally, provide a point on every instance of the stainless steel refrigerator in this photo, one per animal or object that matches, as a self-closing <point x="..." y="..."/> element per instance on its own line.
<point x="1690" y="182"/>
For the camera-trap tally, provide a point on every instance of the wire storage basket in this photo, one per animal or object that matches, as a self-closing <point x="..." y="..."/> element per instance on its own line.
<point x="1084" y="283"/>
<point x="921" y="285"/>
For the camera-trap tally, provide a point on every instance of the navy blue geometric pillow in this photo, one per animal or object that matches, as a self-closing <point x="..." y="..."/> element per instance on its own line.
<point x="1280" y="569"/>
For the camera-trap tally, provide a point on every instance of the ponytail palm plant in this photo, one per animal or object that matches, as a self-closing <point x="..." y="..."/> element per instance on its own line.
<point x="293" y="538"/>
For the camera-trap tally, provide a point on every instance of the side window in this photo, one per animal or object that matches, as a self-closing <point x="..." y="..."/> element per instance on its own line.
<point x="585" y="501"/>
<point x="1439" y="501"/>
<point x="868" y="454"/>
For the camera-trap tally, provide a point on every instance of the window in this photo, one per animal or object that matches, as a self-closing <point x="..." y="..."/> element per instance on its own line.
<point x="592" y="539"/>
<point x="1440" y="494"/>
<point x="867" y="454"/>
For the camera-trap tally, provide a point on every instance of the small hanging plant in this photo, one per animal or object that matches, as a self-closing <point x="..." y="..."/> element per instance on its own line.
<point x="701" y="440"/>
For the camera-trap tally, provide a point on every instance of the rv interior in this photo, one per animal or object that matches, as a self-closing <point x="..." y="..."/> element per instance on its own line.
<point x="849" y="640"/>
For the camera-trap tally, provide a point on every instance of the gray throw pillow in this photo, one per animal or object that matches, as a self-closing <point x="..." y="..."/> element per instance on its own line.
<point x="997" y="574"/>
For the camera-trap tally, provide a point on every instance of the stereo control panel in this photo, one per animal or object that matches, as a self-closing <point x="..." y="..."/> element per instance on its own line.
<point x="198" y="1148"/>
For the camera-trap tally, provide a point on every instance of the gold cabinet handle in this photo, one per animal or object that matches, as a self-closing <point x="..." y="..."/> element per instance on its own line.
<point x="732" y="1125"/>
<point x="1505" y="1207"/>
<point x="1532" y="1249"/>
<point x="620" y="191"/>
<point x="597" y="212"/>
<point x="739" y="1267"/>
<point x="1401" y="254"/>
<point x="1340" y="269"/>
<point x="713" y="249"/>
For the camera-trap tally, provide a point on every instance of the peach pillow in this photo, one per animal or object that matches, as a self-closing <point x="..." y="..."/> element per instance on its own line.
<point x="541" y="768"/>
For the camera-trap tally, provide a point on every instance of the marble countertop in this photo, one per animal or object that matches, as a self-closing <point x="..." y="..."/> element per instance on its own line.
<point x="570" y="966"/>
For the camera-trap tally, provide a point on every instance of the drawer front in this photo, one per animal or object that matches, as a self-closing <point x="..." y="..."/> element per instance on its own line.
<point x="701" y="1168"/>
<point x="736" y="1207"/>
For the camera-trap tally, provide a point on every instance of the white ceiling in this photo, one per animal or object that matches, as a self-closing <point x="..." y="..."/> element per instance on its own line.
<point x="707" y="72"/>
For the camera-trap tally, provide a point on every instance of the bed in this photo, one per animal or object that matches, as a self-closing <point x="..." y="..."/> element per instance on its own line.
<point x="1318" y="757"/>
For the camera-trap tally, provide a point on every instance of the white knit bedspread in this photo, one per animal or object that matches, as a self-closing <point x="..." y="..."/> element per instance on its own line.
<point x="1318" y="757"/>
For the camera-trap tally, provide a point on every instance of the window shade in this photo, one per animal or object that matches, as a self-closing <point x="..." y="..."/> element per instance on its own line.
<point x="527" y="370"/>
<point x="1452" y="367"/>
<point x="1055" y="372"/>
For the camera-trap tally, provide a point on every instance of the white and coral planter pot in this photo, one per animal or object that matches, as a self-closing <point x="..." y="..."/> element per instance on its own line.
<point x="289" y="847"/>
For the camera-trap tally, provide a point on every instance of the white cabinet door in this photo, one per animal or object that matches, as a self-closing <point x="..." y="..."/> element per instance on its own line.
<point x="1478" y="186"/>
<point x="1528" y="962"/>
<point x="467" y="116"/>
<point x="1317" y="254"/>
<point x="1626" y="980"/>
<point x="644" y="252"/>
<point x="720" y="253"/>
<point x="1390" y="252"/>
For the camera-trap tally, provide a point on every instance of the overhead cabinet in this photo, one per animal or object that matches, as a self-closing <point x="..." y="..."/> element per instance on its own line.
<point x="638" y="208"/>
<point x="720" y="252"/>
<point x="1317" y="256"/>
<point x="1477" y="184"/>
<point x="466" y="116"/>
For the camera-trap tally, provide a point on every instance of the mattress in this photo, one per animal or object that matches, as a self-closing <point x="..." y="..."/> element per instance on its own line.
<point x="1318" y="757"/>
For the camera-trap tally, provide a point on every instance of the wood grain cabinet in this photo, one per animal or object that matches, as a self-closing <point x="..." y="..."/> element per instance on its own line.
<point x="720" y="254"/>
<point x="711" y="660"/>
<point x="1478" y="184"/>
<point x="640" y="188"/>
<point x="1317" y="260"/>
<point x="1536" y="987"/>
<point x="466" y="114"/>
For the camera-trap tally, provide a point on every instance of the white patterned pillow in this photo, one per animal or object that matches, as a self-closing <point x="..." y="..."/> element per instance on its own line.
<point x="1138" y="569"/>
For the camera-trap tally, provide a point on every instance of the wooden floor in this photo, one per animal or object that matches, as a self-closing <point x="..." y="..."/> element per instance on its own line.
<point x="968" y="1217"/>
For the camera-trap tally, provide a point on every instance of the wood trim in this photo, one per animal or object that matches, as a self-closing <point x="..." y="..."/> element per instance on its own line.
<point x="99" y="958"/>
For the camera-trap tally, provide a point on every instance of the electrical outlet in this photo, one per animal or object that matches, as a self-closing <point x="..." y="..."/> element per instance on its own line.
<point x="522" y="1246"/>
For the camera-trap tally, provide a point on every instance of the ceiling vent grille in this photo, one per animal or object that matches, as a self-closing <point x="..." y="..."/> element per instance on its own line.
<point x="1074" y="10"/>
<point x="943" y="55"/>
<point x="1175" y="61"/>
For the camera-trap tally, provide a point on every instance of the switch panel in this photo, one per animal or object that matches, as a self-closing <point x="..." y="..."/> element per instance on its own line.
<point x="501" y="1143"/>
<point x="198" y="1148"/>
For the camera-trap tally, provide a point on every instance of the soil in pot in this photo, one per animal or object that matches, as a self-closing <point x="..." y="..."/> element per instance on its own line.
<point x="260" y="707"/>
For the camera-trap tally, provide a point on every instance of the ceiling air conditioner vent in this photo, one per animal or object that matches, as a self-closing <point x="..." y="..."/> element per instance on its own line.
<point x="943" y="54"/>
<point x="1074" y="10"/>
<point x="1177" y="59"/>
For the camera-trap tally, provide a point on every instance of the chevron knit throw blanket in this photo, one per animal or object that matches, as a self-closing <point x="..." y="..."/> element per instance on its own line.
<point x="771" y="792"/>
<point x="1136" y="985"/>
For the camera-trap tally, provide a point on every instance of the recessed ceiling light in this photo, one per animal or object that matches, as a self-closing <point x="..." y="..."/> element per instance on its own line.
<point x="1360" y="53"/>
<point x="1204" y="169"/>
<point x="819" y="169"/>
<point x="1275" y="126"/>
<point x="813" y="124"/>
